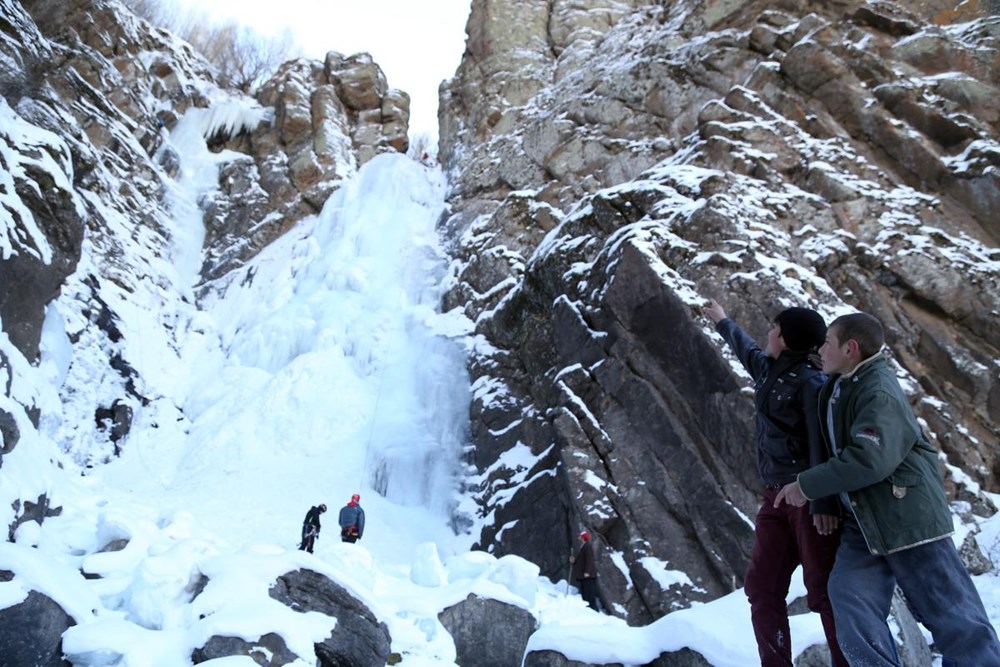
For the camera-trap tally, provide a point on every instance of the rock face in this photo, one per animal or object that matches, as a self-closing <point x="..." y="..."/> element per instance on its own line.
<point x="31" y="631"/>
<point x="329" y="119"/>
<point x="358" y="640"/>
<point x="554" y="659"/>
<point x="268" y="651"/>
<point x="90" y="93"/>
<point x="488" y="633"/>
<point x="27" y="510"/>
<point x="83" y="107"/>
<point x="614" y="164"/>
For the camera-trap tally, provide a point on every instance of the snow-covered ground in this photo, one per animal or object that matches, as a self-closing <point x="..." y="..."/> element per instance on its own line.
<point x="319" y="370"/>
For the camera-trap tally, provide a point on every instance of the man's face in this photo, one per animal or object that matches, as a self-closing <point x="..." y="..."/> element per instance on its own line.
<point x="775" y="343"/>
<point x="835" y="355"/>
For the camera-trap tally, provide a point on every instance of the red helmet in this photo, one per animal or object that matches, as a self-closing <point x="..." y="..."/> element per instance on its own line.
<point x="355" y="498"/>
<point x="585" y="536"/>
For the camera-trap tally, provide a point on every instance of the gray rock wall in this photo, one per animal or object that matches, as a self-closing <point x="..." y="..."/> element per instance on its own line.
<point x="763" y="154"/>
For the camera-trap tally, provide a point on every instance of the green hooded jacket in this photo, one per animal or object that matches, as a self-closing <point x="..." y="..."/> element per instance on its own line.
<point x="883" y="461"/>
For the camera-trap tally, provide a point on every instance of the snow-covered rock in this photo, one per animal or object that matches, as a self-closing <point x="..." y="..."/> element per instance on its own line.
<point x="612" y="171"/>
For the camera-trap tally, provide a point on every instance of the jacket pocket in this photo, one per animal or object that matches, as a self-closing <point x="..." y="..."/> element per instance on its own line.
<point x="781" y="450"/>
<point x="903" y="481"/>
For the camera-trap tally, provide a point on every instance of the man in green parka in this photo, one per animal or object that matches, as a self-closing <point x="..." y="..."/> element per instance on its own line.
<point x="898" y="520"/>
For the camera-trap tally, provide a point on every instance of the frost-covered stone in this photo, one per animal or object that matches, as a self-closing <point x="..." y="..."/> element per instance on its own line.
<point x="358" y="638"/>
<point x="31" y="630"/>
<point x="427" y="569"/>
<point x="471" y="565"/>
<point x="488" y="633"/>
<point x="817" y="154"/>
<point x="682" y="658"/>
<point x="555" y="659"/>
<point x="517" y="575"/>
<point x="269" y="650"/>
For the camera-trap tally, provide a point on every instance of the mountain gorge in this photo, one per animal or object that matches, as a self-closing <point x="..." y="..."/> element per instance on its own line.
<point x="610" y="165"/>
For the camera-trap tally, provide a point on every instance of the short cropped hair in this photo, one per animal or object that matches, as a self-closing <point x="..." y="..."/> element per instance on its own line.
<point x="863" y="328"/>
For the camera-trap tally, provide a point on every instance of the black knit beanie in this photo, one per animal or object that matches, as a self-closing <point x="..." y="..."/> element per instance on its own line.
<point x="802" y="329"/>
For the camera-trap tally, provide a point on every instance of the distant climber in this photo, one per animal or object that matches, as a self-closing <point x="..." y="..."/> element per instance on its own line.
<point x="310" y="527"/>
<point x="352" y="520"/>
<point x="585" y="571"/>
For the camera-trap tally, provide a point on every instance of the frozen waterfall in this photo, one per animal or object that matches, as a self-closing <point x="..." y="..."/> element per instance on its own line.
<point x="321" y="368"/>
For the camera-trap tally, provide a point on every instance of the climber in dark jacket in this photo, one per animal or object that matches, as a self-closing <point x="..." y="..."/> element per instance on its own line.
<point x="787" y="379"/>
<point x="310" y="527"/>
<point x="352" y="520"/>
<point x="585" y="571"/>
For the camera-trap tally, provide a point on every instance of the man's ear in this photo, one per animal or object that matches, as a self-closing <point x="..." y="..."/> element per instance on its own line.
<point x="853" y="349"/>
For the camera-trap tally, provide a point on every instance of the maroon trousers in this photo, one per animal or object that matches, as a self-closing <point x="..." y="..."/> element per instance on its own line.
<point x="784" y="538"/>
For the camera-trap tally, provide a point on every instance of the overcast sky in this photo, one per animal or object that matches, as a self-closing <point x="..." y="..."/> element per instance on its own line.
<point x="417" y="43"/>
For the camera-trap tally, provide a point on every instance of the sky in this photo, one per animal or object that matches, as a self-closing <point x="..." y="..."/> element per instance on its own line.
<point x="417" y="43"/>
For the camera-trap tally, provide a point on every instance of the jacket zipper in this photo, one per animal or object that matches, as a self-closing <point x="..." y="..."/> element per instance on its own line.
<point x="830" y="401"/>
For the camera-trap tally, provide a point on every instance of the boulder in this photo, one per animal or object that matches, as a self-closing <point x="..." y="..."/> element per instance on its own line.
<point x="27" y="510"/>
<point x="488" y="633"/>
<point x="557" y="659"/>
<point x="975" y="561"/>
<point x="31" y="631"/>
<point x="268" y="651"/>
<point x="10" y="433"/>
<point x="359" y="81"/>
<point x="682" y="658"/>
<point x="910" y="643"/>
<point x="359" y="638"/>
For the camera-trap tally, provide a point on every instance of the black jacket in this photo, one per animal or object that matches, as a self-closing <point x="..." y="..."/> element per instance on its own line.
<point x="311" y="520"/>
<point x="786" y="392"/>
<point x="584" y="562"/>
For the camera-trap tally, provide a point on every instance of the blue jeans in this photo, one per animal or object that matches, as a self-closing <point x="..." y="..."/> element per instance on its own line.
<point x="939" y="592"/>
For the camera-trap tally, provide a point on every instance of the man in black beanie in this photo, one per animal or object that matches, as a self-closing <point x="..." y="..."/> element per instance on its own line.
<point x="787" y="379"/>
<point x="802" y="329"/>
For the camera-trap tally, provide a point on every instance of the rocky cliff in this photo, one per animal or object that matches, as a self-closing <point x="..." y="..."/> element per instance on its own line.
<point x="92" y="92"/>
<point x="615" y="163"/>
